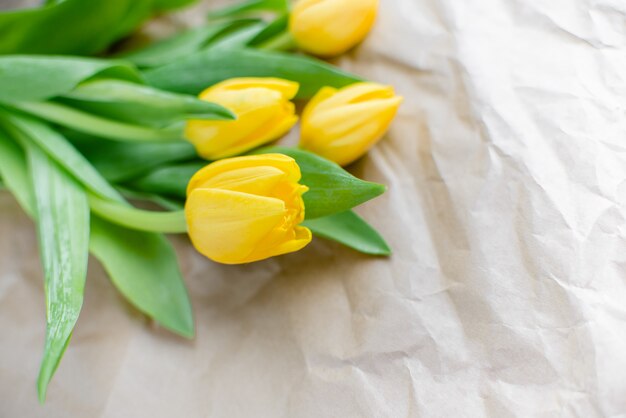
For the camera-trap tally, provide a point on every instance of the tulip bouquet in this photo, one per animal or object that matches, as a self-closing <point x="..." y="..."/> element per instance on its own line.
<point x="186" y="123"/>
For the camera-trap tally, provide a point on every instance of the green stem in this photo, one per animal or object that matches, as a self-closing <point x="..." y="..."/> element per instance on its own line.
<point x="164" y="202"/>
<point x="282" y="42"/>
<point x="95" y="125"/>
<point x="142" y="220"/>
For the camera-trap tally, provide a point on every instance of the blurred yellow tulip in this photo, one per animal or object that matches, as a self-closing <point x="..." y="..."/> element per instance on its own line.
<point x="264" y="113"/>
<point x="245" y="209"/>
<point x="331" y="27"/>
<point x="342" y="125"/>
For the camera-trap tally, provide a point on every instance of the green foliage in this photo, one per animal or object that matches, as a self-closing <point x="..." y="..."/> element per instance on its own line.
<point x="122" y="161"/>
<point x="169" y="180"/>
<point x="30" y="78"/>
<point x="331" y="188"/>
<point x="163" y="5"/>
<point x="60" y="202"/>
<point x="75" y="26"/>
<point x="60" y="150"/>
<point x="351" y="230"/>
<point x="193" y="74"/>
<point x="188" y="42"/>
<point x="250" y="6"/>
<point x="144" y="269"/>
<point x="15" y="174"/>
<point x="142" y="105"/>
<point x="275" y="28"/>
<point x="143" y="266"/>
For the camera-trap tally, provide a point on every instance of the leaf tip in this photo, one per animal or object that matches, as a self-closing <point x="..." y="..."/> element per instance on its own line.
<point x="182" y="326"/>
<point x="186" y="328"/>
<point x="42" y="386"/>
<point x="377" y="188"/>
<point x="385" y="251"/>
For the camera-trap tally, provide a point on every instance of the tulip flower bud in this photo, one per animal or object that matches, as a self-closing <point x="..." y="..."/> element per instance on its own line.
<point x="342" y="125"/>
<point x="246" y="209"/>
<point x="331" y="27"/>
<point x="264" y="113"/>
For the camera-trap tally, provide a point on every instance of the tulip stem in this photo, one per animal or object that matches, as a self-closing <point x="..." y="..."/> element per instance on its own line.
<point x="95" y="125"/>
<point x="282" y="42"/>
<point x="142" y="220"/>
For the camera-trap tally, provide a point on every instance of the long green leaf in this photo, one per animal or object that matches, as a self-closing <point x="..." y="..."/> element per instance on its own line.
<point x="195" y="73"/>
<point x="185" y="43"/>
<point x="168" y="222"/>
<point x="331" y="188"/>
<point x="142" y="105"/>
<point x="15" y="174"/>
<point x="238" y="38"/>
<point x="351" y="230"/>
<point x="168" y="180"/>
<point x="161" y="5"/>
<point x="123" y="161"/>
<point x="167" y="203"/>
<point x="144" y="269"/>
<point x="277" y="27"/>
<point x="58" y="148"/>
<point x="71" y="26"/>
<point x="98" y="126"/>
<point x="63" y="226"/>
<point x="31" y="78"/>
<point x="250" y="6"/>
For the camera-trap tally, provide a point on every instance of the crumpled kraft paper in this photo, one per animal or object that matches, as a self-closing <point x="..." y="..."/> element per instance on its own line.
<point x="506" y="294"/>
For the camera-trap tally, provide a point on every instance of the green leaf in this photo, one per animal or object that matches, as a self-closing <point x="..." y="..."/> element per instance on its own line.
<point x="184" y="44"/>
<point x="169" y="222"/>
<point x="193" y="74"/>
<point x="90" y="124"/>
<point x="162" y="5"/>
<point x="239" y="38"/>
<point x="31" y="78"/>
<point x="144" y="268"/>
<point x="62" y="214"/>
<point x="15" y="174"/>
<point x="58" y="148"/>
<point x="168" y="180"/>
<point x="250" y="6"/>
<point x="167" y="203"/>
<point x="142" y="105"/>
<point x="351" y="230"/>
<point x="122" y="161"/>
<point x="331" y="188"/>
<point x="71" y="26"/>
<point x="277" y="27"/>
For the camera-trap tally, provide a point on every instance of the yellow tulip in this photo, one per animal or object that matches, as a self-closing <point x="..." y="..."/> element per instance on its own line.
<point x="245" y="209"/>
<point x="331" y="27"/>
<point x="342" y="125"/>
<point x="264" y="113"/>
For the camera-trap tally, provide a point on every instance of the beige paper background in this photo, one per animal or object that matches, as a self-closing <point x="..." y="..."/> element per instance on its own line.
<point x="506" y="294"/>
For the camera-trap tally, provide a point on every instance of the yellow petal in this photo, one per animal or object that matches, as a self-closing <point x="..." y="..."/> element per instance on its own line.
<point x="246" y="209"/>
<point x="256" y="124"/>
<point x="357" y="93"/>
<point x="263" y="110"/>
<point x="227" y="226"/>
<point x="343" y="125"/>
<point x="299" y="238"/>
<point x="341" y="120"/>
<point x="321" y="96"/>
<point x="253" y="180"/>
<point x="330" y="27"/>
<point x="280" y="161"/>
<point x="288" y="89"/>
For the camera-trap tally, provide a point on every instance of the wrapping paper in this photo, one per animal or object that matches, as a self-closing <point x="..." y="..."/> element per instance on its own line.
<point x="505" y="296"/>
